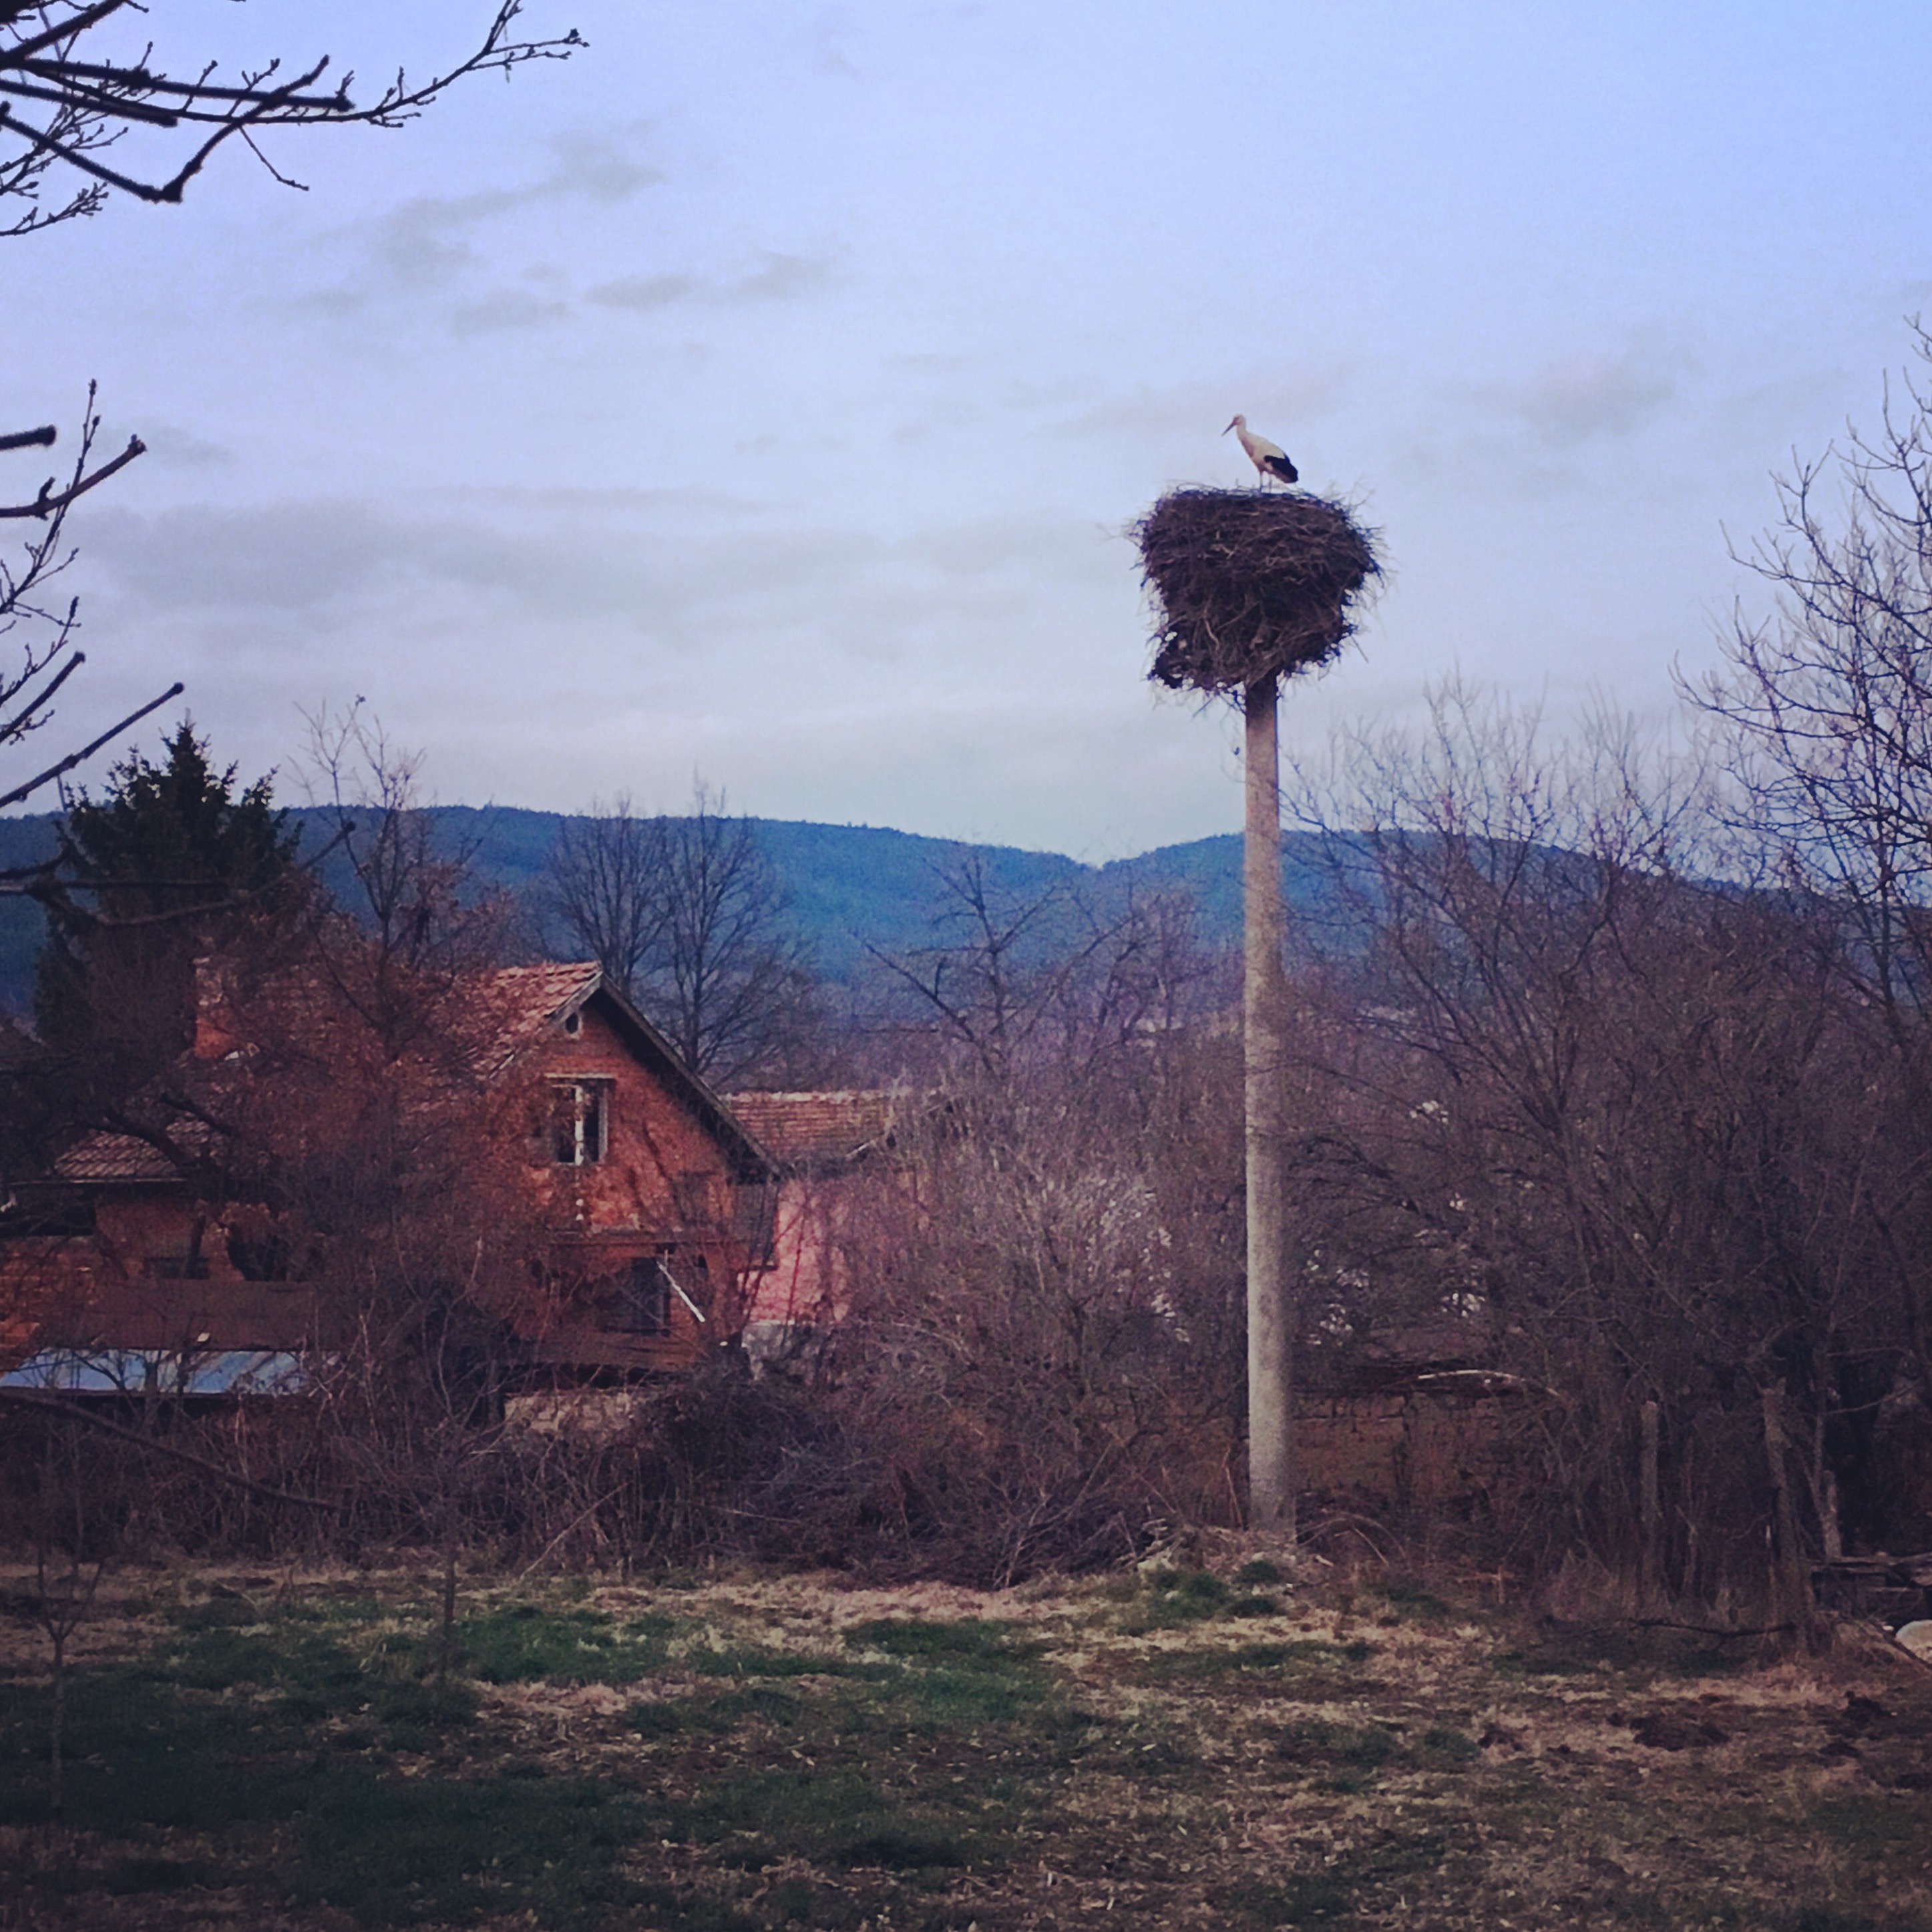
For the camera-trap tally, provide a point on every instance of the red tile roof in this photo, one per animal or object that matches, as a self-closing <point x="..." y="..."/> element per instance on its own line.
<point x="510" y="1010"/>
<point x="816" y="1130"/>
<point x="523" y="1001"/>
<point x="115" y="1157"/>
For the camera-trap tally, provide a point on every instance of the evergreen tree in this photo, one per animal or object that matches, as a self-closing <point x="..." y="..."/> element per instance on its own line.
<point x="173" y="864"/>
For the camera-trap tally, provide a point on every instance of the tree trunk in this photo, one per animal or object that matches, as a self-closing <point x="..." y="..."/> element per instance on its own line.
<point x="1271" y="1483"/>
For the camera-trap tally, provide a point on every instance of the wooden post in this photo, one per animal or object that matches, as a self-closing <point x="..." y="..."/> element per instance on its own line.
<point x="1271" y="1484"/>
<point x="1790" y="1579"/>
<point x="1650" y="1513"/>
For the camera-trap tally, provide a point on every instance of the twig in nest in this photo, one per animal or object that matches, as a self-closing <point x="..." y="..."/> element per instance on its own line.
<point x="1250" y="584"/>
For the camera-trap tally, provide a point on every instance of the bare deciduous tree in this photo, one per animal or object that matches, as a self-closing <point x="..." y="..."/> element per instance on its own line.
<point x="1826" y="706"/>
<point x="606" y="889"/>
<point x="688" y="916"/>
<point x="1611" y="1125"/>
<point x="1038" y="1360"/>
<point x="414" y="893"/>
<point x="726" y="982"/>
<point x="76" y="87"/>
<point x="71" y="1556"/>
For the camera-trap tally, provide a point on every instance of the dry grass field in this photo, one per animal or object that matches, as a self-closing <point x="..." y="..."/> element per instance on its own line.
<point x="1167" y="1749"/>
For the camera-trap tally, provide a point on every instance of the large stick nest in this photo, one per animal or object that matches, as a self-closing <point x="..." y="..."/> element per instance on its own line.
<point x="1249" y="583"/>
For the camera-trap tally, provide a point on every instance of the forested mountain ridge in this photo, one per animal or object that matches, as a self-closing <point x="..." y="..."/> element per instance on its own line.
<point x="853" y="889"/>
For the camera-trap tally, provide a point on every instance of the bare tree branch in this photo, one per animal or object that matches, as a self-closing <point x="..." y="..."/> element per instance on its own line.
<point x="47" y="504"/>
<point x="87" y="105"/>
<point x="86" y="752"/>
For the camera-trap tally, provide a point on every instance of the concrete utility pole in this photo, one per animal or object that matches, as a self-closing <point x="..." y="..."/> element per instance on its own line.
<point x="1254" y="586"/>
<point x="1263" y="1001"/>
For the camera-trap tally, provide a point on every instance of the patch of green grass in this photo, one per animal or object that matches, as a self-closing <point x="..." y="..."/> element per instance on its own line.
<point x="834" y="1818"/>
<point x="1312" y="1899"/>
<point x="228" y="1612"/>
<point x="297" y="1818"/>
<point x="523" y="1643"/>
<point x="1259" y="1572"/>
<point x="1867" y="1819"/>
<point x="1171" y="1599"/>
<point x="329" y="1610"/>
<point x="1539" y="1661"/>
<point x="1256" y="1657"/>
<point x="714" y="1717"/>
<point x="220" y="1660"/>
<point x="981" y="1640"/>
<point x="1410" y="1598"/>
<point x="129" y="1877"/>
<point x="396" y="1852"/>
<point x="1255" y="1606"/>
<point x="799" y="1902"/>
<point x="213" y="1731"/>
<point x="313" y="1678"/>
<point x="1332" y="1896"/>
<point x="976" y="1694"/>
<point x="1346" y="1747"/>
<point x="970" y="1675"/>
<point x="138" y="1754"/>
<point x="1829" y="1918"/>
<point x="942" y="1698"/>
<point x="1175" y="1598"/>
<point x="765" y="1663"/>
<point x="415" y="1715"/>
<point x="1442" y="1746"/>
<point x="1638" y="1654"/>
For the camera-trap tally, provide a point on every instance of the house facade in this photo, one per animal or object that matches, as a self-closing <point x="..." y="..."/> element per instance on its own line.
<point x="825" y="1146"/>
<point x="646" y="1208"/>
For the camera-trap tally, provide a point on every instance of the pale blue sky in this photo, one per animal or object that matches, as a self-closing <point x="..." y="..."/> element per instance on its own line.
<point x="764" y="392"/>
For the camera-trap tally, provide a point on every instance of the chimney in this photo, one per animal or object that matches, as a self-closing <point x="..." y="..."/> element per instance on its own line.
<point x="215" y="1036"/>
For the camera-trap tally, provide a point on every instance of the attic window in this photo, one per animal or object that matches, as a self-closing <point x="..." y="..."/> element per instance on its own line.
<point x="580" y="1122"/>
<point x="573" y="1023"/>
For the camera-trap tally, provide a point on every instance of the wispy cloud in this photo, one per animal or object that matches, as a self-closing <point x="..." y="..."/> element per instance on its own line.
<point x="1583" y="396"/>
<point x="508" y="308"/>
<point x="682" y="570"/>
<point x="442" y="250"/>
<point x="430" y="243"/>
<point x="780" y="278"/>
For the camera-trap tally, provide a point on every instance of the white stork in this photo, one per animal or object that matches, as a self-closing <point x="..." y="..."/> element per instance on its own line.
<point x="1266" y="457"/>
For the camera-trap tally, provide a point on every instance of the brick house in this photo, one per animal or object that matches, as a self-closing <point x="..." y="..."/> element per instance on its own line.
<point x="824" y="1145"/>
<point x="650" y="1205"/>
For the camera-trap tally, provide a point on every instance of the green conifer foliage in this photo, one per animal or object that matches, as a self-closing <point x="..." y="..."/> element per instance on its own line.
<point x="171" y="865"/>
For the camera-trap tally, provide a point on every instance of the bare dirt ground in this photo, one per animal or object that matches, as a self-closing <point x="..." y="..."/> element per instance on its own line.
<point x="1173" y="1747"/>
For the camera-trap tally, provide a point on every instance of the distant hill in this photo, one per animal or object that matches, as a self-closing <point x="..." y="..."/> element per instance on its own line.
<point x="852" y="887"/>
